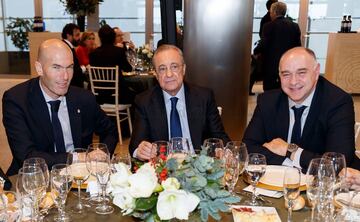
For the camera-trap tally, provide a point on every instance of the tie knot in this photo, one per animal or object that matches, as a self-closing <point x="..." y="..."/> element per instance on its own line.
<point x="173" y="102"/>
<point x="54" y="105"/>
<point x="298" y="111"/>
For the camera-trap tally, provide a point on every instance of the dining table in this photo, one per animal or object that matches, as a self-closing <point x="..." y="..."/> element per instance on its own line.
<point x="139" y="82"/>
<point x="91" y="216"/>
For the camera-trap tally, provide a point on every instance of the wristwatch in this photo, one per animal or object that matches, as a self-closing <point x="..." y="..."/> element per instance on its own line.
<point x="292" y="147"/>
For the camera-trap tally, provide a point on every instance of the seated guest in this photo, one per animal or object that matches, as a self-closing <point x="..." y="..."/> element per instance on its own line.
<point x="307" y="117"/>
<point x="173" y="108"/>
<point x="71" y="36"/>
<point x="86" y="45"/>
<point x="109" y="55"/>
<point x="119" y="40"/>
<point x="45" y="117"/>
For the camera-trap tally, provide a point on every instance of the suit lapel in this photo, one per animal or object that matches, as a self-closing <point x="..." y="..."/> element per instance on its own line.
<point x="192" y="111"/>
<point x="159" y="112"/>
<point x="282" y="119"/>
<point x="39" y="110"/>
<point x="74" y="110"/>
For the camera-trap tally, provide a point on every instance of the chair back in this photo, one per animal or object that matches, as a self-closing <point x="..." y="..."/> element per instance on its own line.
<point x="104" y="79"/>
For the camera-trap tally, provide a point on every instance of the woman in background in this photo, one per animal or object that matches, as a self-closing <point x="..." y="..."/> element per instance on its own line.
<point x="86" y="45"/>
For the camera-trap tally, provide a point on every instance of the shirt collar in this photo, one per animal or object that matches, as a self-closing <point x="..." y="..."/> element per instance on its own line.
<point x="47" y="97"/>
<point x="180" y="94"/>
<point x="69" y="43"/>
<point x="306" y="102"/>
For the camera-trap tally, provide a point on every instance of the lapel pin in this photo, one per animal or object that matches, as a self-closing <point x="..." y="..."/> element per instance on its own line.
<point x="78" y="110"/>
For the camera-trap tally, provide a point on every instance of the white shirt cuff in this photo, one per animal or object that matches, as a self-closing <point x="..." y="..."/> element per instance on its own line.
<point x="134" y="153"/>
<point x="83" y="68"/>
<point x="297" y="155"/>
<point x="287" y="162"/>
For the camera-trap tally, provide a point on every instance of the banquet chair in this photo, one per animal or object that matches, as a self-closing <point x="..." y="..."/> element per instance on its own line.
<point x="107" y="78"/>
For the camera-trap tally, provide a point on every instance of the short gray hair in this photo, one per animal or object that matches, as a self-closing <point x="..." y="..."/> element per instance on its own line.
<point x="279" y="8"/>
<point x="167" y="47"/>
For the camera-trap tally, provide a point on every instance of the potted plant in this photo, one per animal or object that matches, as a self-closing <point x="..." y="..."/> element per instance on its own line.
<point x="18" y="29"/>
<point x="81" y="8"/>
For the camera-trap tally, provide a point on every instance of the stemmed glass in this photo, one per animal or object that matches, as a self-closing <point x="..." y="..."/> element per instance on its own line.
<point x="25" y="198"/>
<point x="121" y="158"/>
<point x="291" y="187"/>
<point x="33" y="182"/>
<point x="214" y="147"/>
<point x="179" y="148"/>
<point x="79" y="172"/>
<point x="231" y="176"/>
<point x="312" y="184"/>
<point x="255" y="169"/>
<point x="61" y="181"/>
<point x="240" y="147"/>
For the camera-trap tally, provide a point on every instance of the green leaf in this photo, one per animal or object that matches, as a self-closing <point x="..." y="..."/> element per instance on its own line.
<point x="144" y="204"/>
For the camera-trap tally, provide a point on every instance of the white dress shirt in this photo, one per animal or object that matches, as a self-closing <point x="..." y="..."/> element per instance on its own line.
<point x="307" y="103"/>
<point x="64" y="119"/>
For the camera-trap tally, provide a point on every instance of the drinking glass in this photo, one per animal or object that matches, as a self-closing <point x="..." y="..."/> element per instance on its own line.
<point x="25" y="198"/>
<point x="312" y="184"/>
<point x="241" y="149"/>
<point x="179" y="148"/>
<point x="101" y="167"/>
<point x="159" y="150"/>
<point x="61" y="181"/>
<point x="214" y="147"/>
<point x="79" y="173"/>
<point x="121" y="158"/>
<point x="33" y="182"/>
<point x="291" y="188"/>
<point x="255" y="169"/>
<point x="94" y="151"/>
<point x="231" y="161"/>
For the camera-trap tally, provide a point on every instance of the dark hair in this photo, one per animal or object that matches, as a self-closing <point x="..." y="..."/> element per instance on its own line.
<point x="269" y="3"/>
<point x="69" y="30"/>
<point x="279" y="8"/>
<point x="107" y="35"/>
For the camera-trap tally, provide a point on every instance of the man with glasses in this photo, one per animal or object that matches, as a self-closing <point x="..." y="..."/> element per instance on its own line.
<point x="174" y="108"/>
<point x="306" y="118"/>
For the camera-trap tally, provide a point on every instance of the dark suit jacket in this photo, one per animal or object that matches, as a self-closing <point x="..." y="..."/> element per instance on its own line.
<point x="278" y="36"/>
<point x="110" y="56"/>
<point x="28" y="125"/>
<point x="329" y="126"/>
<point x="151" y="120"/>
<point x="78" y="76"/>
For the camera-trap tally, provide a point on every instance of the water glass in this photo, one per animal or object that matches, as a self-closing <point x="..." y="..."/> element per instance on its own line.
<point x="121" y="158"/>
<point x="61" y="181"/>
<point x="291" y="188"/>
<point x="255" y="169"/>
<point x="243" y="155"/>
<point x="231" y="176"/>
<point x="179" y="148"/>
<point x="214" y="147"/>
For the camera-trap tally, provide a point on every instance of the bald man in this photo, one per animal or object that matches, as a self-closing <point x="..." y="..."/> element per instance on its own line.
<point x="35" y="128"/>
<point x="304" y="119"/>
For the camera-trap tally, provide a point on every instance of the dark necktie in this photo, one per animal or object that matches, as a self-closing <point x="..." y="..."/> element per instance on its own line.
<point x="296" y="131"/>
<point x="57" y="130"/>
<point x="175" y="125"/>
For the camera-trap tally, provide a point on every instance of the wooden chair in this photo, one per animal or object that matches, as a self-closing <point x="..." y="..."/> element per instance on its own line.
<point x="107" y="78"/>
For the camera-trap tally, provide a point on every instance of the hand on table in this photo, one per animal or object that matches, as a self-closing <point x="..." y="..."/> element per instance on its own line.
<point x="144" y="150"/>
<point x="277" y="146"/>
<point x="352" y="177"/>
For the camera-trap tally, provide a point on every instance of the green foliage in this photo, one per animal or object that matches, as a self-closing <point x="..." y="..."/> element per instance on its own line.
<point x="202" y="175"/>
<point x="145" y="204"/>
<point x="80" y="7"/>
<point x="18" y="29"/>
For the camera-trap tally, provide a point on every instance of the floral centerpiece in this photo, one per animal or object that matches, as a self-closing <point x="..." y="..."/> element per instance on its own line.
<point x="167" y="189"/>
<point x="145" y="53"/>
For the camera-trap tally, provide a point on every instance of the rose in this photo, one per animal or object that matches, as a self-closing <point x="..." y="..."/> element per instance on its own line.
<point x="170" y="183"/>
<point x="125" y="201"/>
<point x="120" y="178"/>
<point x="176" y="204"/>
<point x="143" y="182"/>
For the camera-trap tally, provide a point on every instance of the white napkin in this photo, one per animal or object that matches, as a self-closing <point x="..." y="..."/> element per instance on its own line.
<point x="94" y="189"/>
<point x="264" y="192"/>
<point x="344" y="198"/>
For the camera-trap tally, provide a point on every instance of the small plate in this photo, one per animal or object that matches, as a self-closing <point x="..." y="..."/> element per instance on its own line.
<point x="342" y="200"/>
<point x="254" y="213"/>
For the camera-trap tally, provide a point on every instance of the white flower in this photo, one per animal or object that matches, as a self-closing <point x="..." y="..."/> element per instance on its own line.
<point x="176" y="204"/>
<point x="147" y="167"/>
<point x="125" y="201"/>
<point x="150" y="55"/>
<point x="142" y="183"/>
<point x="145" y="51"/>
<point x="171" y="183"/>
<point x="120" y="178"/>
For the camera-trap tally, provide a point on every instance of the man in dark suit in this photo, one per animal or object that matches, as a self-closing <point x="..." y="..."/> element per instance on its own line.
<point x="45" y="117"/>
<point x="110" y="55"/>
<point x="278" y="36"/>
<point x="308" y="117"/>
<point x="194" y="108"/>
<point x="266" y="18"/>
<point x="71" y="36"/>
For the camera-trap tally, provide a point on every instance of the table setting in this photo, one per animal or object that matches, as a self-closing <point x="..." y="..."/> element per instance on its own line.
<point x="217" y="183"/>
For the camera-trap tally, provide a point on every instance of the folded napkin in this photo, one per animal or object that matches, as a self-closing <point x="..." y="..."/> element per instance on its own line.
<point x="344" y="199"/>
<point x="264" y="192"/>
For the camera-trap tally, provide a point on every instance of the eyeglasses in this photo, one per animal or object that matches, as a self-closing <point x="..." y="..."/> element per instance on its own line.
<point x="174" y="67"/>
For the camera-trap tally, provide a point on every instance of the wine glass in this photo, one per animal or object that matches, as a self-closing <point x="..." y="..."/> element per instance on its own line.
<point x="121" y="158"/>
<point x="291" y="188"/>
<point x="312" y="184"/>
<point x="101" y="167"/>
<point x="61" y="181"/>
<point x="179" y="148"/>
<point x="159" y="150"/>
<point x="79" y="172"/>
<point x="240" y="147"/>
<point x="231" y="161"/>
<point x="33" y="182"/>
<point x="214" y="147"/>
<point x="92" y="153"/>
<point x="25" y="198"/>
<point x="255" y="169"/>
